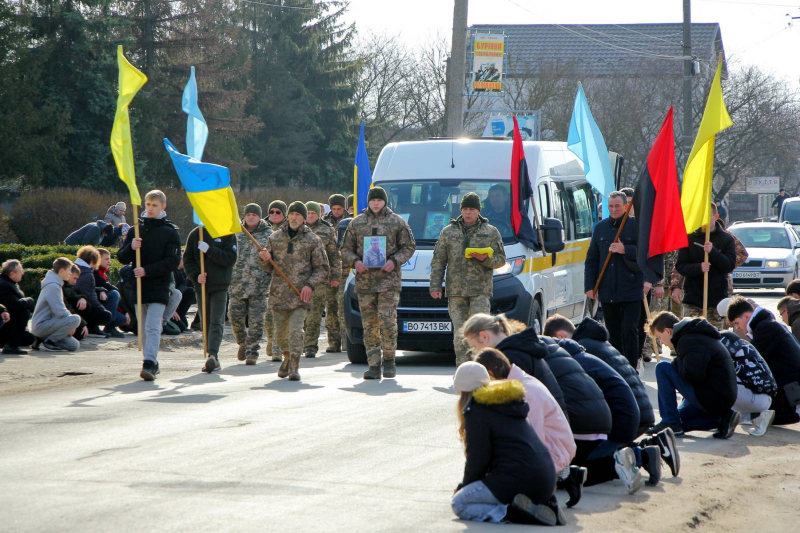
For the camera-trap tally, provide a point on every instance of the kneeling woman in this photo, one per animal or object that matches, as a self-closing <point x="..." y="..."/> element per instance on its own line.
<point x="509" y="475"/>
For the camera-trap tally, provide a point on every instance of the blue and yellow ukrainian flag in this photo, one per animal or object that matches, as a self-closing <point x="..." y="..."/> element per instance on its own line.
<point x="209" y="189"/>
<point x="362" y="175"/>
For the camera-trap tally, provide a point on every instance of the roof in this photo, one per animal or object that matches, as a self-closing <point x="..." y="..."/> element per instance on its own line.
<point x="600" y="50"/>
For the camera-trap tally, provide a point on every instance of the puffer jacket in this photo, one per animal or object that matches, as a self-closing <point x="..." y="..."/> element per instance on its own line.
<point x="793" y="307"/>
<point x="588" y="411"/>
<point x="593" y="336"/>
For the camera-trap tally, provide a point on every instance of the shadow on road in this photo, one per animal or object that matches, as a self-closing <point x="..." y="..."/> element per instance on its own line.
<point x="283" y="385"/>
<point x="378" y="388"/>
<point x="187" y="398"/>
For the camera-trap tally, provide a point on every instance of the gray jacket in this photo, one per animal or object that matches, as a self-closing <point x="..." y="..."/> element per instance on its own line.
<point x="114" y="217"/>
<point x="50" y="304"/>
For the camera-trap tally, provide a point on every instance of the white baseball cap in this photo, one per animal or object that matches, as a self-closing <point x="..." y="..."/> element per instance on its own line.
<point x="722" y="307"/>
<point x="470" y="376"/>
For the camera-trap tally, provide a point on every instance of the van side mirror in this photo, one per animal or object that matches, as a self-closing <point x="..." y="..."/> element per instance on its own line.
<point x="553" y="233"/>
<point x="341" y="229"/>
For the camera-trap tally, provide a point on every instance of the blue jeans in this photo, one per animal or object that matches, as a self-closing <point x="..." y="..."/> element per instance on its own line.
<point x="111" y="303"/>
<point x="690" y="414"/>
<point x="476" y="502"/>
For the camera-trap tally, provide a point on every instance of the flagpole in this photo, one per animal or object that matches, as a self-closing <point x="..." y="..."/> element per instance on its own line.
<point x="705" y="274"/>
<point x="608" y="257"/>
<point x="271" y="262"/>
<point x="203" y="297"/>
<point x="140" y="319"/>
<point x="652" y="338"/>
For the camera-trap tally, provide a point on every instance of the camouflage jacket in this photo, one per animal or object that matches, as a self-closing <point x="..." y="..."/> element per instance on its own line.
<point x="302" y="259"/>
<point x="400" y="246"/>
<point x="466" y="277"/>
<point x="248" y="279"/>
<point x="676" y="280"/>
<point x="334" y="222"/>
<point x="326" y="233"/>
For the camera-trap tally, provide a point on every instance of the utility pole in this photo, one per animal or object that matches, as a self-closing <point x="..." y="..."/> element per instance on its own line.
<point x="688" y="128"/>
<point x="456" y="73"/>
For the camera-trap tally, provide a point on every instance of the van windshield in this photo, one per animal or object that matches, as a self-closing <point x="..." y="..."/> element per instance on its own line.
<point x="428" y="206"/>
<point x="791" y="212"/>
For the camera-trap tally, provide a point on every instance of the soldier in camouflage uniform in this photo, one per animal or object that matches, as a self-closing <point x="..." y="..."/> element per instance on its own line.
<point x="247" y="294"/>
<point x="300" y="255"/>
<point x="378" y="289"/>
<point x="469" y="280"/>
<point x="325" y="232"/>
<point x="334" y="300"/>
<point x="276" y="218"/>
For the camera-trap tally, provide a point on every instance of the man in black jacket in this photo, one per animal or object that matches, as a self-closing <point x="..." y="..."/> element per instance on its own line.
<point x="160" y="247"/>
<point x="692" y="266"/>
<point x="779" y="349"/>
<point x="623" y="286"/>
<point x="13" y="333"/>
<point x="702" y="372"/>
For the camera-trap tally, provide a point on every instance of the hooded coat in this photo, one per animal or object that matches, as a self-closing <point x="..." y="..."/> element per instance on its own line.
<point x="777" y="346"/>
<point x="50" y="304"/>
<point x="525" y="350"/>
<point x="793" y="308"/>
<point x="91" y="233"/>
<point x="705" y="363"/>
<point x="593" y="336"/>
<point x="587" y="408"/>
<point x="502" y="449"/>
<point x="114" y="217"/>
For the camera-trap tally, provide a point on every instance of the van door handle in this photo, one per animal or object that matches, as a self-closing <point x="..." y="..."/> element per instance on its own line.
<point x="554" y="259"/>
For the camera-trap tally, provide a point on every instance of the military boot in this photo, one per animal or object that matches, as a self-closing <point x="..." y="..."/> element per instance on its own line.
<point x="311" y="354"/>
<point x="283" y="371"/>
<point x="373" y="372"/>
<point x="334" y="347"/>
<point x="242" y="355"/>
<point x="276" y="357"/>
<point x="294" y="367"/>
<point x="389" y="368"/>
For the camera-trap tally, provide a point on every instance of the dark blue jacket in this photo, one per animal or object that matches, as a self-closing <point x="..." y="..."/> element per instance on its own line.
<point x="91" y="233"/>
<point x="623" y="280"/>
<point x="588" y="411"/>
<point x="593" y="336"/>
<point x="617" y="393"/>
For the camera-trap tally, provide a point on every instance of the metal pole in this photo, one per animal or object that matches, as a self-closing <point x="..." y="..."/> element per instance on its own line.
<point x="688" y="127"/>
<point x="456" y="72"/>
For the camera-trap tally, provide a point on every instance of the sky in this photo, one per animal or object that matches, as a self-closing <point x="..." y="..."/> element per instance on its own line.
<point x="753" y="31"/>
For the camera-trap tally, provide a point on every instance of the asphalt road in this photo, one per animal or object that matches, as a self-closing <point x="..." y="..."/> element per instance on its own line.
<point x="241" y="450"/>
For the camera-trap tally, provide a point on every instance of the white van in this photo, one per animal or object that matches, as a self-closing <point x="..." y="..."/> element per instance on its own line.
<point x="425" y="181"/>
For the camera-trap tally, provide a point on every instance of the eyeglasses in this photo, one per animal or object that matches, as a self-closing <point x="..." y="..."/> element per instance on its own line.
<point x="275" y="212"/>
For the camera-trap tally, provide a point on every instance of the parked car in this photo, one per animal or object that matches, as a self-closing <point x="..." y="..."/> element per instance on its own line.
<point x="773" y="249"/>
<point x="790" y="212"/>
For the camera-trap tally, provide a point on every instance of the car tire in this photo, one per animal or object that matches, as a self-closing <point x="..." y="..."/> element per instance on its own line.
<point x="356" y="353"/>
<point x="535" y="317"/>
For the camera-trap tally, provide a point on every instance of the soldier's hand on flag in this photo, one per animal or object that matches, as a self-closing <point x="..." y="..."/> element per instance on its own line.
<point x="360" y="268"/>
<point x="707" y="247"/>
<point x="389" y="266"/>
<point x="139" y="272"/>
<point x="705" y="266"/>
<point x="305" y="293"/>
<point x="591" y="295"/>
<point x="658" y="292"/>
<point x="136" y="243"/>
<point x="334" y="284"/>
<point x="202" y="279"/>
<point x="436" y="295"/>
<point x="263" y="254"/>
<point x="617" y="248"/>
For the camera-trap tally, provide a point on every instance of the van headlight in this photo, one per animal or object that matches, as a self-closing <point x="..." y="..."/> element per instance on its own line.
<point x="513" y="266"/>
<point x="776" y="264"/>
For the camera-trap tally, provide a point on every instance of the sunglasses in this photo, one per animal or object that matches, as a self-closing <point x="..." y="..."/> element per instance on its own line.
<point x="275" y="212"/>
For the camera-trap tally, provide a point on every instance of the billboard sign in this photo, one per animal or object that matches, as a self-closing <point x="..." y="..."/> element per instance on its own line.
<point x="763" y="185"/>
<point x="488" y="51"/>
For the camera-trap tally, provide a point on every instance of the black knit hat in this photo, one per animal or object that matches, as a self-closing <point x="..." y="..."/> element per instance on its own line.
<point x="337" y="199"/>
<point x="278" y="204"/>
<point x="471" y="200"/>
<point x="253" y="208"/>
<point x="377" y="192"/>
<point x="298" y="207"/>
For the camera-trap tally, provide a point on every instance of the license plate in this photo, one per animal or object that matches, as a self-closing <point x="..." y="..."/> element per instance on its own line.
<point x="427" y="327"/>
<point x="747" y="275"/>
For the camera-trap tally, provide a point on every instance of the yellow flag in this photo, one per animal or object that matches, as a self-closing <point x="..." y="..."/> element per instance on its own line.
<point x="130" y="81"/>
<point x="699" y="172"/>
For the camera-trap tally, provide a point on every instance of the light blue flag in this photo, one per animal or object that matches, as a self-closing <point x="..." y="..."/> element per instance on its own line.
<point x="196" y="127"/>
<point x="586" y="142"/>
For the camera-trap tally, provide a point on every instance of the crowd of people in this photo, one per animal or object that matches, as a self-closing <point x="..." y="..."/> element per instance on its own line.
<point x="563" y="408"/>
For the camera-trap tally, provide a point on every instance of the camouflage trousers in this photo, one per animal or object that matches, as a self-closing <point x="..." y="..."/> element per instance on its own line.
<point x="311" y="325"/>
<point x="269" y="331"/>
<point x="244" y="311"/>
<point x="665" y="303"/>
<point x="379" y="319"/>
<point x="288" y="325"/>
<point x="334" y="314"/>
<point x="712" y="316"/>
<point x="460" y="309"/>
<point x="340" y="306"/>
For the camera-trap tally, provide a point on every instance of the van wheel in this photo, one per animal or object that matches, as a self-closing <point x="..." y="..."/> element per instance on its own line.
<point x="356" y="353"/>
<point x="535" y="317"/>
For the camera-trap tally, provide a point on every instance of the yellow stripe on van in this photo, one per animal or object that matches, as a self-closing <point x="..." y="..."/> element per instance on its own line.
<point x="574" y="252"/>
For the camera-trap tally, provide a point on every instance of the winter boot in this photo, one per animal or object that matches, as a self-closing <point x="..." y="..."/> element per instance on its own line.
<point x="251" y="358"/>
<point x="389" y="368"/>
<point x="283" y="371"/>
<point x="311" y="354"/>
<point x="373" y="372"/>
<point x="294" y="367"/>
<point x="242" y="355"/>
<point x="334" y="347"/>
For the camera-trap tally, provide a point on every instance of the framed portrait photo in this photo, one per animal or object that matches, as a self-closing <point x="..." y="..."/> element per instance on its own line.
<point x="374" y="252"/>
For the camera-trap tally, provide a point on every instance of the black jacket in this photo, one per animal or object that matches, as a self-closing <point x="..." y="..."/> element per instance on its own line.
<point x="12" y="297"/>
<point x="85" y="286"/>
<point x="751" y="369"/>
<point x="623" y="280"/>
<point x="593" y="336"/>
<point x="161" y="254"/>
<point x="220" y="258"/>
<point x="91" y="233"/>
<point x="111" y="239"/>
<point x="588" y="411"/>
<point x="705" y="363"/>
<point x="526" y="351"/>
<point x="777" y="346"/>
<point x="617" y="393"/>
<point x="689" y="265"/>
<point x="502" y="450"/>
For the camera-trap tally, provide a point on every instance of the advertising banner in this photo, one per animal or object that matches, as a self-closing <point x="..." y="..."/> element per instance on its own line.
<point x="487" y="63"/>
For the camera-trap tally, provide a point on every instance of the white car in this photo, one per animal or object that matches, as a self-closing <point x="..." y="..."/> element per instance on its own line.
<point x="773" y="250"/>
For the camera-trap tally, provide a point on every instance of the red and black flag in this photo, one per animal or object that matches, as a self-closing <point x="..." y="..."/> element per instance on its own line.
<point x="521" y="190"/>
<point x="657" y="203"/>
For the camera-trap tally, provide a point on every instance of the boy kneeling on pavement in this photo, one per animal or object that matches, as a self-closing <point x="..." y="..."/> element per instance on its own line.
<point x="52" y="321"/>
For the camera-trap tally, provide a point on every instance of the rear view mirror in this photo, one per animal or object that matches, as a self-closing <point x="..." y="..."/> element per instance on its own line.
<point x="553" y="234"/>
<point x="341" y="229"/>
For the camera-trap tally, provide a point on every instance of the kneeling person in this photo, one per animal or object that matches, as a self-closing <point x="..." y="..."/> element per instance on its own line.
<point x="14" y="334"/>
<point x="51" y="319"/>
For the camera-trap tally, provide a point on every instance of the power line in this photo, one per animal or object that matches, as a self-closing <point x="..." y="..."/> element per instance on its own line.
<point x="281" y="6"/>
<point x="749" y="3"/>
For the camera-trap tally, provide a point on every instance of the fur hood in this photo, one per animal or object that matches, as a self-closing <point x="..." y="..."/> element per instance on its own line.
<point x="500" y="394"/>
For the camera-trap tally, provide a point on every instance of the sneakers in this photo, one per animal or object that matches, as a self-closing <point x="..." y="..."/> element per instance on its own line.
<point x="761" y="423"/>
<point x="95" y="332"/>
<point x="149" y="370"/>
<point x="51" y="346"/>
<point x="625" y="465"/>
<point x="242" y="354"/>
<point x="523" y="511"/>
<point x="573" y="484"/>
<point x="373" y="372"/>
<point x="311" y="354"/>
<point x="112" y="331"/>
<point x="728" y="425"/>
<point x="668" y="447"/>
<point x="389" y="368"/>
<point x="212" y="364"/>
<point x="13" y="350"/>
<point x="677" y="429"/>
<point x="653" y="464"/>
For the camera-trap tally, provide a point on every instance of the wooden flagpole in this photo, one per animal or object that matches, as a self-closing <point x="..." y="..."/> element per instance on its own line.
<point x="616" y="239"/>
<point x="705" y="275"/>
<point x="271" y="262"/>
<point x="203" y="296"/>
<point x="652" y="338"/>
<point x="139" y="318"/>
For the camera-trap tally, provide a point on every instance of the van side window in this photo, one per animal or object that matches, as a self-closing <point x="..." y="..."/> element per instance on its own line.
<point x="563" y="210"/>
<point x="543" y="203"/>
<point x="582" y="200"/>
